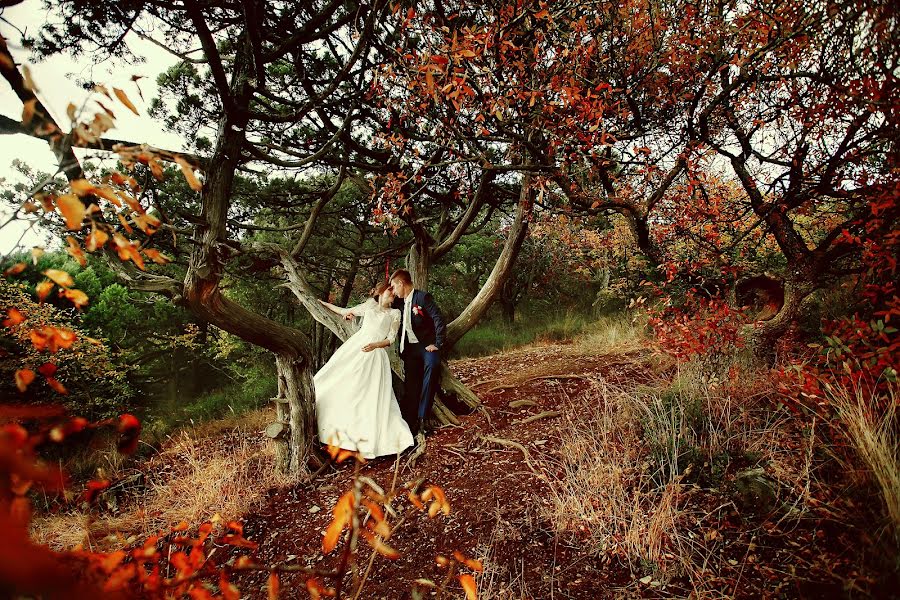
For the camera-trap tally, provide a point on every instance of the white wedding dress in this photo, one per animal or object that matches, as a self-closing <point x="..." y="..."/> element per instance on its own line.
<point x="355" y="404"/>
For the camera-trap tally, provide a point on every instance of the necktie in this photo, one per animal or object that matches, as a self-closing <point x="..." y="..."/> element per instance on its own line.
<point x="407" y="309"/>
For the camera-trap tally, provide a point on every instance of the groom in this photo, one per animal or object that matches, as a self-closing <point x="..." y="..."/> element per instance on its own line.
<point x="422" y="332"/>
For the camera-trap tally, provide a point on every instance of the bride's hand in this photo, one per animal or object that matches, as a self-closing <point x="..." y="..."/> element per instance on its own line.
<point x="370" y="347"/>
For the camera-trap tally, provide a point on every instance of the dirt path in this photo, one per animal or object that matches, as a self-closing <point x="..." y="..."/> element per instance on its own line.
<point x="495" y="490"/>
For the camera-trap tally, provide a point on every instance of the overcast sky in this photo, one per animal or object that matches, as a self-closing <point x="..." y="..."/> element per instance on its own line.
<point x="56" y="80"/>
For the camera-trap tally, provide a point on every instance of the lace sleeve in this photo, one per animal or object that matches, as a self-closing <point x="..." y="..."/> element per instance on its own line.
<point x="360" y="309"/>
<point x="395" y="325"/>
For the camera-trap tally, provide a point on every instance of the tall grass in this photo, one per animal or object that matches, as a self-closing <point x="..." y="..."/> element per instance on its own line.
<point x="625" y="469"/>
<point x="871" y="426"/>
<point x="494" y="335"/>
<point x="222" y="469"/>
<point x="619" y="332"/>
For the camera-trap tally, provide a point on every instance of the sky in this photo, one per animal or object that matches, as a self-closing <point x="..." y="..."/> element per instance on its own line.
<point x="55" y="79"/>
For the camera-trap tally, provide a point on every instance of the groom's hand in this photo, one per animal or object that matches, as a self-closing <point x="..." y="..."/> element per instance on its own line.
<point x="431" y="348"/>
<point x="349" y="317"/>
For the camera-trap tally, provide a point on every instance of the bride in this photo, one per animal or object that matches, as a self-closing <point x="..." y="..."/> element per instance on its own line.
<point x="355" y="403"/>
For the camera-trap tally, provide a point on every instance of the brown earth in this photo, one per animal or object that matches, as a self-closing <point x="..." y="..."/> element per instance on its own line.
<point x="497" y="494"/>
<point x="494" y="494"/>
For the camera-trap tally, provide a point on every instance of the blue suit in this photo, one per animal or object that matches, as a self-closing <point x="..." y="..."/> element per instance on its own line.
<point x="421" y="367"/>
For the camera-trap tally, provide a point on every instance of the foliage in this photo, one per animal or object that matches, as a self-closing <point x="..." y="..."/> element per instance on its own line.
<point x="94" y="384"/>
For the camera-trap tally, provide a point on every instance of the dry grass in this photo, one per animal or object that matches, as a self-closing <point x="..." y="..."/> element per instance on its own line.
<point x="605" y="496"/>
<point x="616" y="334"/>
<point x="875" y="438"/>
<point x="222" y="468"/>
<point x="497" y="581"/>
<point x="622" y="465"/>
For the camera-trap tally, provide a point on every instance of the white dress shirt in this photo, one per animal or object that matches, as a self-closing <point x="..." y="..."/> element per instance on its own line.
<point x="407" y="323"/>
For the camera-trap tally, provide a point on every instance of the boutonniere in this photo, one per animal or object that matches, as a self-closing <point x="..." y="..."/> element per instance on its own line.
<point x="417" y="310"/>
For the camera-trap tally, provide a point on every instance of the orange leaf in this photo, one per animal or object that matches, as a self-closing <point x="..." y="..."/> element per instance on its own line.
<point x="77" y="297"/>
<point x="124" y="223"/>
<point x="188" y="171"/>
<point x="27" y="80"/>
<point x="123" y="98"/>
<point x="379" y="546"/>
<point x="228" y="589"/>
<point x="81" y="187"/>
<point x="36" y="253"/>
<point x="468" y="584"/>
<point x="315" y="588"/>
<point x="127" y="250"/>
<point x="75" y="250"/>
<point x="146" y="223"/>
<point x="157" y="256"/>
<point x="274" y="585"/>
<point x="43" y="289"/>
<point x="58" y="387"/>
<point x="15" y="317"/>
<point x="24" y="377"/>
<point x="473" y="564"/>
<point x="15" y="269"/>
<point x="96" y="239"/>
<point x="343" y="511"/>
<point x="183" y="526"/>
<point x="60" y="278"/>
<point x="28" y="110"/>
<point x="72" y="210"/>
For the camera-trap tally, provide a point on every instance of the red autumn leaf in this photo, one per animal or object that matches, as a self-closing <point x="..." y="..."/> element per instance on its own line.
<point x="15" y="269"/>
<point x="47" y="369"/>
<point x="127" y="250"/>
<point x="379" y="546"/>
<point x="239" y="542"/>
<point x="24" y="377"/>
<point x="28" y="110"/>
<point x="130" y="431"/>
<point x="473" y="564"/>
<point x="112" y="560"/>
<point x="93" y="489"/>
<point x="15" y="317"/>
<point x="228" y="589"/>
<point x="146" y="222"/>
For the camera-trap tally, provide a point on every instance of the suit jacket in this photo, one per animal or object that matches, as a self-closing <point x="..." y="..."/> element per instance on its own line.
<point x="427" y="321"/>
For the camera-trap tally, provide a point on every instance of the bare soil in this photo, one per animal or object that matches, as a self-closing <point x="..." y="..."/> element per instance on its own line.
<point x="497" y="494"/>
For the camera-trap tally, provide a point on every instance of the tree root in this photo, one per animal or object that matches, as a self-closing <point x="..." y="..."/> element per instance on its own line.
<point x="417" y="453"/>
<point x="504" y="386"/>
<point x="512" y="444"/>
<point x="521" y="403"/>
<point x="541" y="415"/>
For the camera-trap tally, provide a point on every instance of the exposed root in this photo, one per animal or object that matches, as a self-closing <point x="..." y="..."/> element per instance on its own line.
<point x="522" y="403"/>
<point x="505" y="386"/>
<point x="541" y="415"/>
<point x="512" y="444"/>
<point x="417" y="453"/>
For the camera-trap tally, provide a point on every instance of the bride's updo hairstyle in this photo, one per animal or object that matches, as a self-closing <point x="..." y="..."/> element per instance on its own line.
<point x="379" y="289"/>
